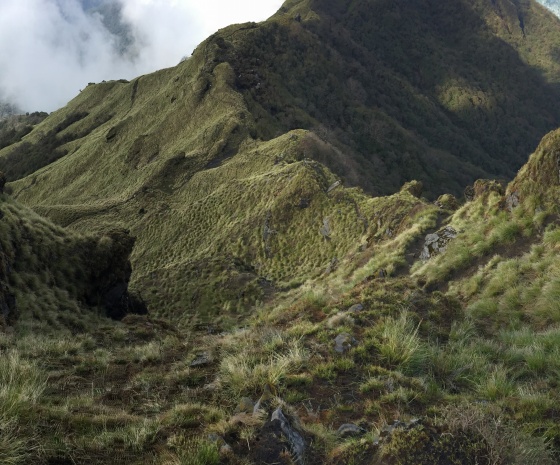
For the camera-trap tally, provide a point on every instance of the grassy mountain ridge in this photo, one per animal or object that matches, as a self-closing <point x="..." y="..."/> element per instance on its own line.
<point x="387" y="329"/>
<point x="166" y="154"/>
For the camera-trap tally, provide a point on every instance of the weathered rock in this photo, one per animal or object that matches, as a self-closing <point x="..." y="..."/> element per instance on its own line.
<point x="202" y="359"/>
<point x="469" y="193"/>
<point x="349" y="430"/>
<point x="325" y="230"/>
<point x="356" y="308"/>
<point x="512" y="200"/>
<point x="264" y="404"/>
<point x="344" y="342"/>
<point x="333" y="186"/>
<point x="225" y="450"/>
<point x="216" y="438"/>
<point x="295" y="439"/>
<point x="436" y="243"/>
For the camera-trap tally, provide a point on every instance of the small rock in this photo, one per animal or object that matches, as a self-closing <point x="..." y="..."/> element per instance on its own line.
<point x="333" y="186"/>
<point x="413" y="423"/>
<point x="349" y="430"/>
<point x="217" y="439"/>
<point x="245" y="405"/>
<point x="201" y="359"/>
<point x="325" y="230"/>
<point x="356" y="308"/>
<point x="382" y="273"/>
<point x="512" y="201"/>
<point x="344" y="342"/>
<point x="295" y="439"/>
<point x="226" y="450"/>
<point x="436" y="243"/>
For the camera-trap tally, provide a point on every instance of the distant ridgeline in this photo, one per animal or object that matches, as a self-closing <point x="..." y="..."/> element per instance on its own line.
<point x="242" y="170"/>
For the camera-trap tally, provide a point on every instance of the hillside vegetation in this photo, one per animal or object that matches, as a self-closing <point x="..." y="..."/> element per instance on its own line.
<point x="294" y="317"/>
<point x="378" y="93"/>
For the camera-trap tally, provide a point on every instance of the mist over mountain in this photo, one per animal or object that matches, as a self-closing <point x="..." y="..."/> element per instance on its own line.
<point x="552" y="5"/>
<point x="49" y="49"/>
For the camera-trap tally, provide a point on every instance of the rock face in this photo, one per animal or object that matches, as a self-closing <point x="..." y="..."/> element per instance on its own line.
<point x="275" y="437"/>
<point x="295" y="439"/>
<point x="436" y="243"/>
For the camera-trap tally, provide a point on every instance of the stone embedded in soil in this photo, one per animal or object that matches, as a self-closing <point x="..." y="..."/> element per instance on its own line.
<point x="356" y="308"/>
<point x="436" y="243"/>
<point x="344" y="342"/>
<point x="297" y="443"/>
<point x="349" y="430"/>
<point x="202" y="359"/>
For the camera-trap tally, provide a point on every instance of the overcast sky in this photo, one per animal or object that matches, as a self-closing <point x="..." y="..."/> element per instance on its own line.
<point x="50" y="49"/>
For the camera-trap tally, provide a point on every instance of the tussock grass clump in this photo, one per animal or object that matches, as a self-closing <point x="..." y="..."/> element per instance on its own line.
<point x="193" y="451"/>
<point x="244" y="373"/>
<point x="21" y="386"/>
<point x="399" y="345"/>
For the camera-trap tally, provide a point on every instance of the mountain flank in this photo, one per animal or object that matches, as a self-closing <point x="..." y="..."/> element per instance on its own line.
<point x="346" y="252"/>
<point x="377" y="92"/>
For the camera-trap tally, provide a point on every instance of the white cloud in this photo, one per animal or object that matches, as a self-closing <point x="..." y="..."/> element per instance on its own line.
<point x="49" y="49"/>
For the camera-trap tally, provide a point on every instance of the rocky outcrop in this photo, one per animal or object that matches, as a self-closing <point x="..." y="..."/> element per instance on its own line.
<point x="110" y="272"/>
<point x="436" y="243"/>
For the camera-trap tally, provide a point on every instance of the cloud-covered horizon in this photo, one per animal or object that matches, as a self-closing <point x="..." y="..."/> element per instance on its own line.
<point x="50" y="49"/>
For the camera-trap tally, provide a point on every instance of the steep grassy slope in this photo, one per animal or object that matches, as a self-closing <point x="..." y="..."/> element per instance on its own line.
<point x="238" y="218"/>
<point x="206" y="163"/>
<point x="54" y="279"/>
<point x="454" y="360"/>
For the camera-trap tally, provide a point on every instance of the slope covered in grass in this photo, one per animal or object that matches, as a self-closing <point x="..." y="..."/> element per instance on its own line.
<point x="51" y="278"/>
<point x="222" y="166"/>
<point x="272" y="284"/>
